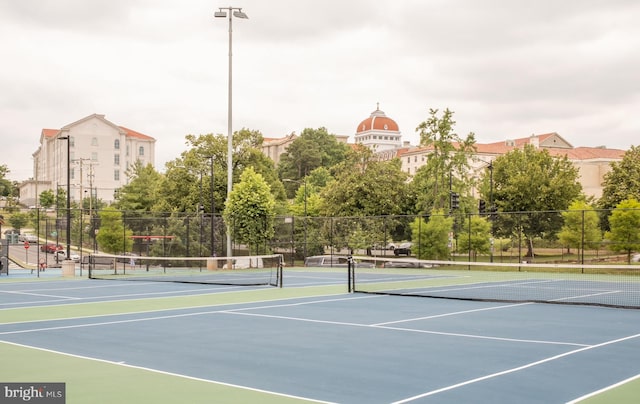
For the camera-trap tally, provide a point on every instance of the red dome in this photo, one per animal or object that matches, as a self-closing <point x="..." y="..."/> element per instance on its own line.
<point x="377" y="121"/>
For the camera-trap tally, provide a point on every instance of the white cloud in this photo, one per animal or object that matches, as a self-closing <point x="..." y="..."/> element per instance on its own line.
<point x="506" y="68"/>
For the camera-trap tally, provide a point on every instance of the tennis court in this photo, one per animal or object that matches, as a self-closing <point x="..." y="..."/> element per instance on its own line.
<point x="309" y="341"/>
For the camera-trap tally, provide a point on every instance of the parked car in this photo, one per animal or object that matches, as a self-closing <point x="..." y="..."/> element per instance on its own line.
<point x="50" y="247"/>
<point x="62" y="255"/>
<point x="31" y="238"/>
<point x="334" y="261"/>
<point x="403" y="249"/>
<point x="382" y="246"/>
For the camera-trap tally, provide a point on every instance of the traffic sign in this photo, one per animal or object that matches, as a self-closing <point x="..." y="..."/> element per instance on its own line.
<point x="26" y="245"/>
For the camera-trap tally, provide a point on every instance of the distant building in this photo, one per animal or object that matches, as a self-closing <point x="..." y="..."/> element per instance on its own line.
<point x="382" y="134"/>
<point x="379" y="132"/>
<point x="100" y="154"/>
<point x="592" y="162"/>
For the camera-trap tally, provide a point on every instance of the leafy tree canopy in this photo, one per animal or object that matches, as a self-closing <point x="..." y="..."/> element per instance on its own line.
<point x="250" y="210"/>
<point x="47" y="198"/>
<point x="187" y="182"/>
<point x="141" y="193"/>
<point x="475" y="236"/>
<point x="7" y="188"/>
<point x="18" y="220"/>
<point x="531" y="180"/>
<point x="431" y="239"/>
<point x="448" y="162"/>
<point x="623" y="181"/>
<point x="581" y="224"/>
<point x="112" y="237"/>
<point x="625" y="227"/>
<point x="365" y="186"/>
<point x="312" y="149"/>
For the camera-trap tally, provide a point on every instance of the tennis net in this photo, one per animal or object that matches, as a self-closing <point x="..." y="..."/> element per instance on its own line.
<point x="255" y="270"/>
<point x="602" y="285"/>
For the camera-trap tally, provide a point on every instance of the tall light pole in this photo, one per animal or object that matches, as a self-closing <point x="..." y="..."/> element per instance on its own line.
<point x="68" y="139"/>
<point x="231" y="12"/>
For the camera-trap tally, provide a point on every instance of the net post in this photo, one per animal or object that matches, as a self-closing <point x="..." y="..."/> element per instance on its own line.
<point x="350" y="274"/>
<point x="280" y="270"/>
<point x="90" y="262"/>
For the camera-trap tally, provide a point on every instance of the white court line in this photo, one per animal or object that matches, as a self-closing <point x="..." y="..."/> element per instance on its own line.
<point x="450" y="334"/>
<point x="595" y="393"/>
<point x="43" y="295"/>
<point x="454" y="313"/>
<point x="172" y="309"/>
<point x="146" y="369"/>
<point x="513" y="370"/>
<point x="242" y="311"/>
<point x="105" y="299"/>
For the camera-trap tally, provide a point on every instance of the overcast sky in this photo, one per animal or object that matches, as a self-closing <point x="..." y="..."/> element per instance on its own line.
<point x="507" y="68"/>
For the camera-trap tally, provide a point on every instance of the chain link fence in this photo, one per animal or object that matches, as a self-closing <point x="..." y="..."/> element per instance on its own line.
<point x="551" y="236"/>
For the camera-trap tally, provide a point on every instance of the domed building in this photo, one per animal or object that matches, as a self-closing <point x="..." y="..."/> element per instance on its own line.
<point x="379" y="132"/>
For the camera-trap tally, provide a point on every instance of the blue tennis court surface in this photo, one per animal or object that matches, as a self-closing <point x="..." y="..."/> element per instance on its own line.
<point x="340" y="347"/>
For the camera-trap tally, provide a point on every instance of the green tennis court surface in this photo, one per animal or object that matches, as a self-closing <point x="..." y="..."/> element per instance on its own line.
<point x="310" y="341"/>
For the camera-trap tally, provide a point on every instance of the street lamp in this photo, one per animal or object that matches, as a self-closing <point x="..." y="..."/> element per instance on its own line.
<point x="304" y="184"/>
<point x="68" y="139"/>
<point x="223" y="12"/>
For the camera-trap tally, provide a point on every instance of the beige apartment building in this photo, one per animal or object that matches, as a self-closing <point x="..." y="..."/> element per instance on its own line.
<point x="100" y="152"/>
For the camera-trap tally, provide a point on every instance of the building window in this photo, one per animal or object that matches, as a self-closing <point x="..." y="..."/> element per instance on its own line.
<point x="116" y="144"/>
<point x="408" y="160"/>
<point x="94" y="141"/>
<point x="72" y="141"/>
<point x="116" y="159"/>
<point x="72" y="173"/>
<point x="116" y="175"/>
<point x="94" y="156"/>
<point x="127" y="150"/>
<point x="141" y="151"/>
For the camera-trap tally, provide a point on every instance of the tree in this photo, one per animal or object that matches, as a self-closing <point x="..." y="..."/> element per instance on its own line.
<point x="477" y="238"/>
<point x="624" y="235"/>
<point x="431" y="239"/>
<point x="581" y="226"/>
<point x="531" y="187"/>
<point x="187" y="180"/>
<point x="7" y="188"/>
<point x="623" y="181"/>
<point x="250" y="210"/>
<point x="447" y="164"/>
<point x="112" y="237"/>
<point x="140" y="194"/>
<point x="18" y="220"/>
<point x="312" y="149"/>
<point x="47" y="198"/>
<point x="365" y="186"/>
